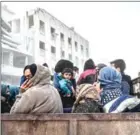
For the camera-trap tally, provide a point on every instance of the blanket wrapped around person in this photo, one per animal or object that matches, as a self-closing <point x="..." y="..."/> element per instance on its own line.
<point x="87" y="100"/>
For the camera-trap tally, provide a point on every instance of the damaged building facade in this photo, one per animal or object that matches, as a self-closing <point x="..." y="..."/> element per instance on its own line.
<point x="14" y="58"/>
<point x="48" y="40"/>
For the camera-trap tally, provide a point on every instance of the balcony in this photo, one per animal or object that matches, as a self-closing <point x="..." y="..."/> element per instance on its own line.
<point x="11" y="70"/>
<point x="10" y="39"/>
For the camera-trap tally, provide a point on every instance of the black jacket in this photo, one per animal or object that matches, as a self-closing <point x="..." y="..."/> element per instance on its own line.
<point x="127" y="78"/>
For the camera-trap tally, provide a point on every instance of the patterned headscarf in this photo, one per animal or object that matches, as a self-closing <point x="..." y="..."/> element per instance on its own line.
<point x="110" y="78"/>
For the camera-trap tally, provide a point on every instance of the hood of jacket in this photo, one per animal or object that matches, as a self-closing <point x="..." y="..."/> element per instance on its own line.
<point x="42" y="76"/>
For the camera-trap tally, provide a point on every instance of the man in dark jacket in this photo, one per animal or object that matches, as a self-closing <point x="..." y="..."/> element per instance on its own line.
<point x="127" y="86"/>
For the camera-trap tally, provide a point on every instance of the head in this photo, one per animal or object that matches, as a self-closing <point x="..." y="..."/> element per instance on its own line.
<point x="40" y="75"/>
<point x="30" y="71"/>
<point x="100" y="66"/>
<point x="89" y="64"/>
<point x="76" y="69"/>
<point x="62" y="64"/>
<point x="119" y="65"/>
<point x="67" y="73"/>
<point x="5" y="91"/>
<point x="109" y="77"/>
<point x="45" y="65"/>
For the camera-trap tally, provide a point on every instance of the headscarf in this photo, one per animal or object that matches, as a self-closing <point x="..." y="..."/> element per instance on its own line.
<point x="109" y="78"/>
<point x="33" y="69"/>
<point x="86" y="91"/>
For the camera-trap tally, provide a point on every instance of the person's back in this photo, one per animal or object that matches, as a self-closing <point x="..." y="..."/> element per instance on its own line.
<point x="41" y="97"/>
<point x="127" y="86"/>
<point x="45" y="99"/>
<point x="87" y="100"/>
<point x="89" y="74"/>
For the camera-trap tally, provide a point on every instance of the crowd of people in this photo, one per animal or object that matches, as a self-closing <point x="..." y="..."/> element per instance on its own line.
<point x="99" y="89"/>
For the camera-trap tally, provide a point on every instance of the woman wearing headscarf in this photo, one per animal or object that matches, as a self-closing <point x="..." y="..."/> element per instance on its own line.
<point x="89" y="74"/>
<point x="37" y="95"/>
<point x="112" y="99"/>
<point x="87" y="100"/>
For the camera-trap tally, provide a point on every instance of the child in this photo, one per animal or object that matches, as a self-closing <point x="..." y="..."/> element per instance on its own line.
<point x="65" y="82"/>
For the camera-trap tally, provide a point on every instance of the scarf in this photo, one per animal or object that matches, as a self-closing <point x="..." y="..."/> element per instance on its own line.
<point x="86" y="73"/>
<point x="109" y="78"/>
<point x="86" y="91"/>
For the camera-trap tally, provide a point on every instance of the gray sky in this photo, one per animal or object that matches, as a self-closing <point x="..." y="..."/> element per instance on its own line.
<point x="112" y="28"/>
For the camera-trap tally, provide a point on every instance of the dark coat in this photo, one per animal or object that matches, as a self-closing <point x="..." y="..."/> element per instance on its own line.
<point x="127" y="78"/>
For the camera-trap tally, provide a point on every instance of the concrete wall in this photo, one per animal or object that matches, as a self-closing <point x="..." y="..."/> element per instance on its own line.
<point x="71" y="124"/>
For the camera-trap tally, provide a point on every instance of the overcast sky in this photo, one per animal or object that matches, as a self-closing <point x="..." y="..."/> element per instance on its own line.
<point x="112" y="28"/>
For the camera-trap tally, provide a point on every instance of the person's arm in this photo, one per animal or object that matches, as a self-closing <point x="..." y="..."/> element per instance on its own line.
<point x="23" y="104"/>
<point x="64" y="87"/>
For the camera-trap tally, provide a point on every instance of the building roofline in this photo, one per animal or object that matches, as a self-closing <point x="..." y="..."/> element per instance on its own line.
<point x="43" y="10"/>
<point x="4" y="7"/>
<point x="5" y="25"/>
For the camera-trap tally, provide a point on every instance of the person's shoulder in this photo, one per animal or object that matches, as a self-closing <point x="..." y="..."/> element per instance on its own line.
<point x="128" y="77"/>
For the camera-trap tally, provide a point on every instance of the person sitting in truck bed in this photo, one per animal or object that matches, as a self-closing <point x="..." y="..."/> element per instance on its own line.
<point x="37" y="95"/>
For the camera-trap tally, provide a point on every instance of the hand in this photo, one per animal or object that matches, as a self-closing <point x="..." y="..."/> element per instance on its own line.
<point x="74" y="93"/>
<point x="27" y="84"/>
<point x="97" y="87"/>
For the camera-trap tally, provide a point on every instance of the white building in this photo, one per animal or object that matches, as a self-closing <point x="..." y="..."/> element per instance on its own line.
<point x="13" y="58"/>
<point x="48" y="40"/>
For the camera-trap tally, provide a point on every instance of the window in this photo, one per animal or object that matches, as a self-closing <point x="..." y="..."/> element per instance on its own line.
<point x="21" y="61"/>
<point x="62" y="54"/>
<point x="31" y="21"/>
<point x="62" y="36"/>
<point x="70" y="57"/>
<point x="42" y="27"/>
<point x="69" y="41"/>
<point x="76" y="46"/>
<point x="82" y="49"/>
<point x="53" y="50"/>
<point x="86" y="52"/>
<point x="42" y="45"/>
<point x="52" y="31"/>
